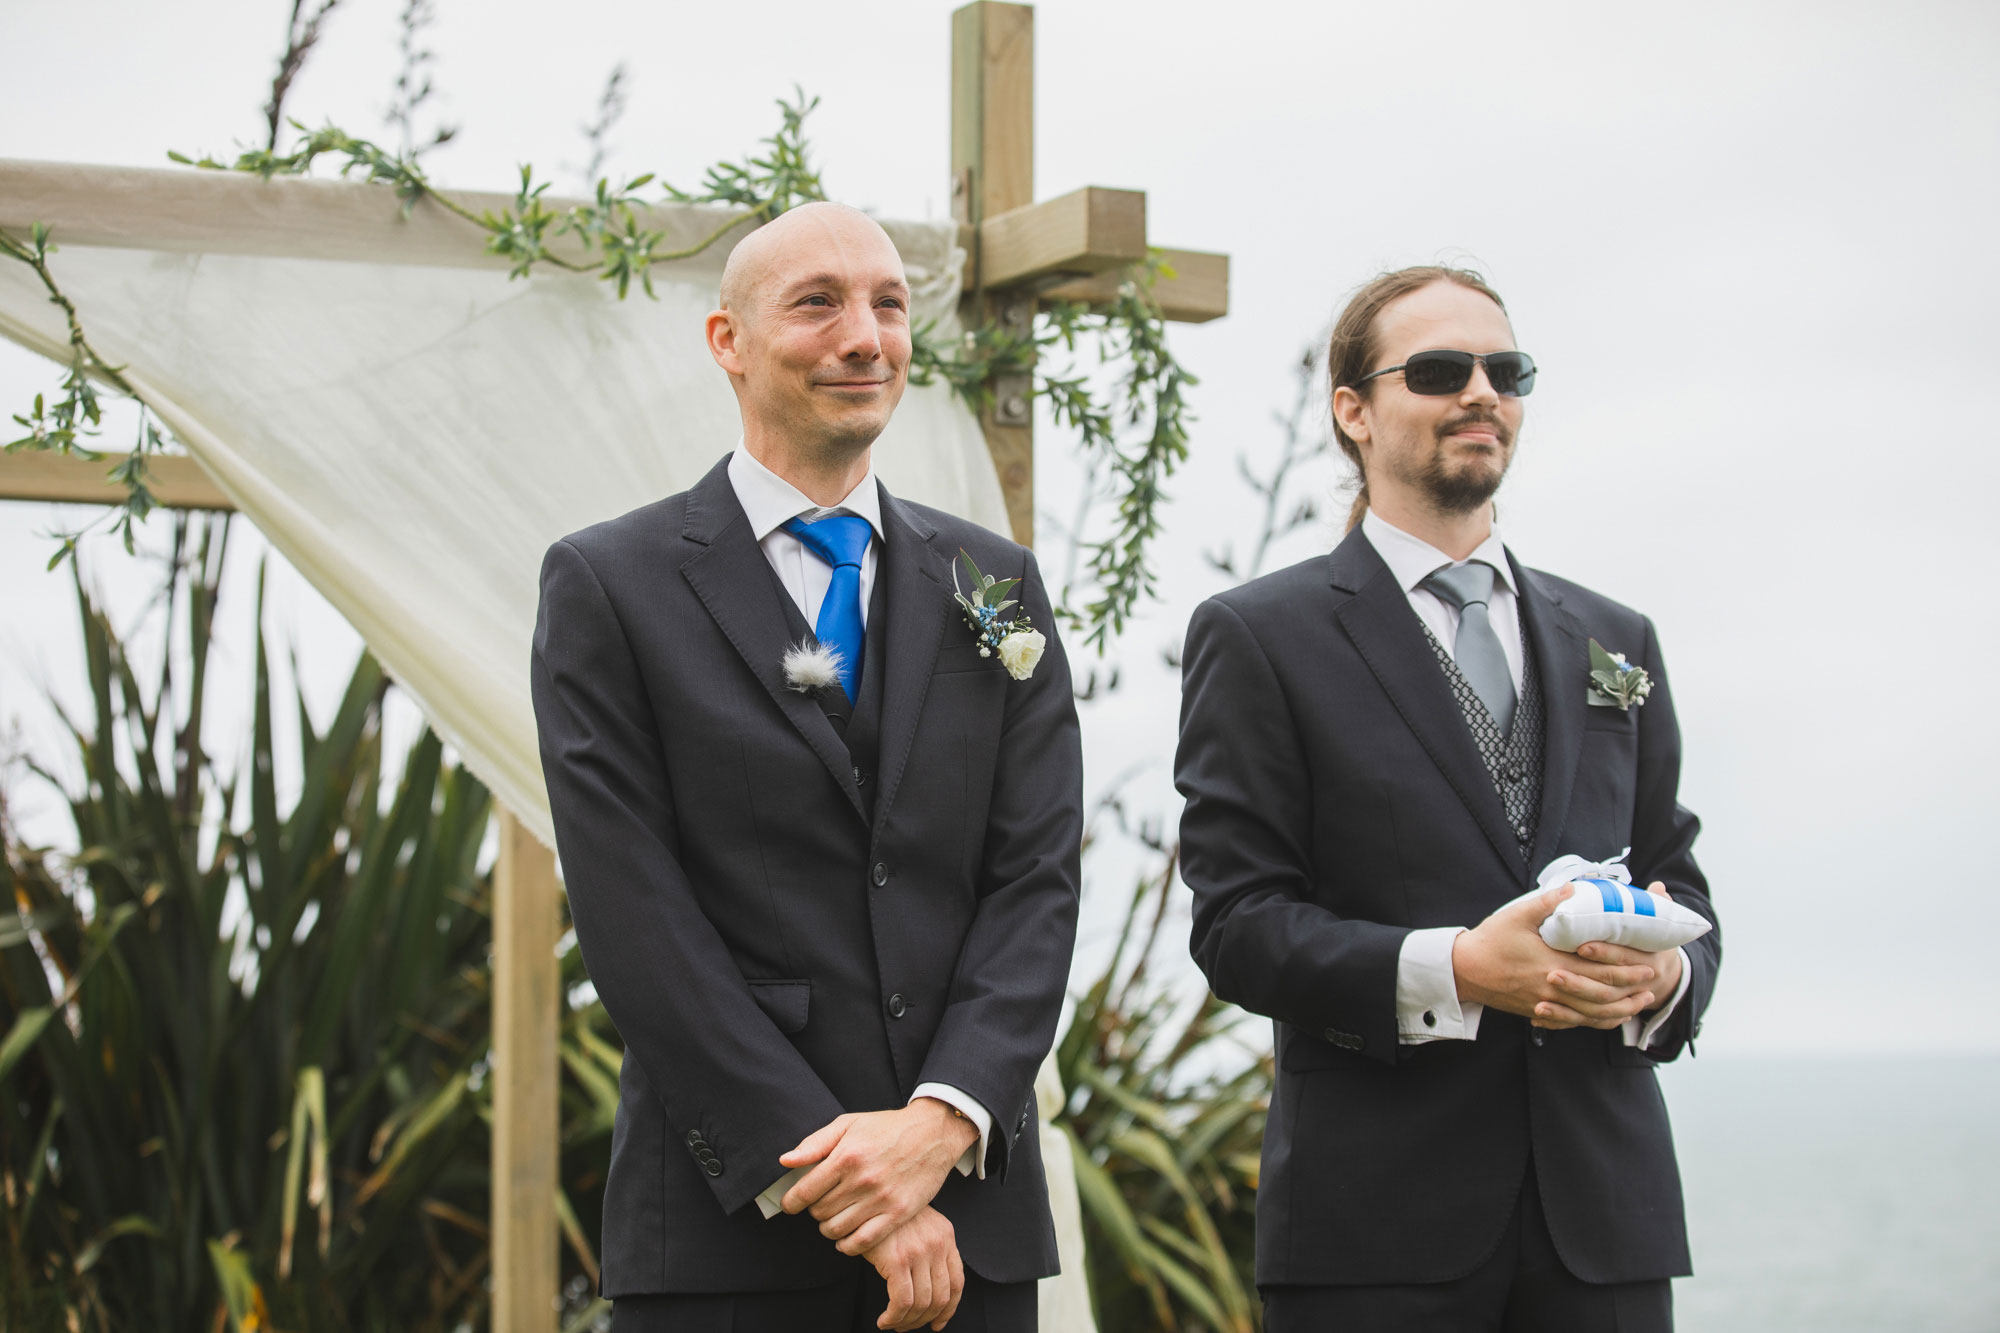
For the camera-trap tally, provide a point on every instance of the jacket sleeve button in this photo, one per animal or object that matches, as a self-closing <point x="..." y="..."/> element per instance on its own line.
<point x="694" y="1138"/>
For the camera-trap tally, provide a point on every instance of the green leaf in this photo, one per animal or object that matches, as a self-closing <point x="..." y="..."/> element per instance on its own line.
<point x="28" y="1025"/>
<point x="241" y="1296"/>
<point x="131" y="1225"/>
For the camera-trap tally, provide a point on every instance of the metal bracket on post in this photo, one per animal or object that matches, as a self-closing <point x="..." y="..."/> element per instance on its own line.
<point x="1013" y="395"/>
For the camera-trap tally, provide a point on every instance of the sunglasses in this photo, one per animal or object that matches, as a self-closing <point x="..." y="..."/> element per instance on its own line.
<point x="1434" y="374"/>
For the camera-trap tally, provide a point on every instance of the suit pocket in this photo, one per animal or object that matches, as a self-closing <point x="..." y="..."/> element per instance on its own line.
<point x="1611" y="719"/>
<point x="785" y="1001"/>
<point x="963" y="657"/>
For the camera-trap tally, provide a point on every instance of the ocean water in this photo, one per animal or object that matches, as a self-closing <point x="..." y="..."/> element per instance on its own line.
<point x="1839" y="1196"/>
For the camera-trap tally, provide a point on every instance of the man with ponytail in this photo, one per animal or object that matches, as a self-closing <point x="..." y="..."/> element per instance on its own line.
<point x="1382" y="749"/>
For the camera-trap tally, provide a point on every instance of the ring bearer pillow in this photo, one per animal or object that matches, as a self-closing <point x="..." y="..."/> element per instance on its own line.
<point x="1608" y="906"/>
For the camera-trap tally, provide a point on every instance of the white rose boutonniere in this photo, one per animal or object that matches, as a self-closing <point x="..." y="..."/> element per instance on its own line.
<point x="1020" y="651"/>
<point x="1018" y="643"/>
<point x="1614" y="682"/>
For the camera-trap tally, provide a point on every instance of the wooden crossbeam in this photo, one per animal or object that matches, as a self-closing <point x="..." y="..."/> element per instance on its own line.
<point x="1197" y="292"/>
<point x="1086" y="231"/>
<point x="175" y="480"/>
<point x="235" y="213"/>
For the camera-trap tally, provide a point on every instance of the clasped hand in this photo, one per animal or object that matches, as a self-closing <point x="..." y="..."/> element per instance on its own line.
<point x="1504" y="963"/>
<point x="873" y="1176"/>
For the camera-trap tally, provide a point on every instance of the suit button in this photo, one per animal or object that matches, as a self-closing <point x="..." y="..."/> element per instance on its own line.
<point x="860" y="778"/>
<point x="1535" y="1035"/>
<point x="880" y="874"/>
<point x="712" y="1165"/>
<point x="694" y="1138"/>
<point x="1430" y="1019"/>
<point x="897" y="1007"/>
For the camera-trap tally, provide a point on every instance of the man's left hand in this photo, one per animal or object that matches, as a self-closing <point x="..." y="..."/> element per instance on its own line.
<point x="1590" y="996"/>
<point x="876" y="1170"/>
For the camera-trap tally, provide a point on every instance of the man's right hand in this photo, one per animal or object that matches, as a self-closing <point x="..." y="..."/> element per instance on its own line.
<point x="919" y="1260"/>
<point x="1504" y="963"/>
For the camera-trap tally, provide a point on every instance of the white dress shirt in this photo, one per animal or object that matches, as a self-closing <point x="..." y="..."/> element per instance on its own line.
<point x="769" y="502"/>
<point x="1427" y="1003"/>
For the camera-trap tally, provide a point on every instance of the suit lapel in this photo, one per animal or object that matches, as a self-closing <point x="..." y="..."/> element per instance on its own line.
<point x="1390" y="639"/>
<point x="733" y="580"/>
<point x="1562" y="659"/>
<point x="917" y="605"/>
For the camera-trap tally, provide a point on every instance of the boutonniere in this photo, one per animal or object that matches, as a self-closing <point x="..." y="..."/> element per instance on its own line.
<point x="1018" y="642"/>
<point x="1614" y="682"/>
<point x="811" y="667"/>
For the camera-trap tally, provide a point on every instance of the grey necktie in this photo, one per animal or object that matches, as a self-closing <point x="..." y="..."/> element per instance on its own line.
<point x="1477" y="652"/>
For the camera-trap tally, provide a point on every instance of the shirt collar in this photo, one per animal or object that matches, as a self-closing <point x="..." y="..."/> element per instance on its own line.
<point x="769" y="501"/>
<point x="1412" y="559"/>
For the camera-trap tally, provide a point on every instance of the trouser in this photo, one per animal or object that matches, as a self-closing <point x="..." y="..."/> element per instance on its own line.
<point x="849" y="1306"/>
<point x="1521" y="1288"/>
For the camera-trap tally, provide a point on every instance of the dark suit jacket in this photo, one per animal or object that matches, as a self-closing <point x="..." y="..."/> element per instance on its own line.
<point x="771" y="955"/>
<point x="1335" y="801"/>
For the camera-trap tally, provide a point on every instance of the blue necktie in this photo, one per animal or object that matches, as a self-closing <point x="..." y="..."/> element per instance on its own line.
<point x="840" y="541"/>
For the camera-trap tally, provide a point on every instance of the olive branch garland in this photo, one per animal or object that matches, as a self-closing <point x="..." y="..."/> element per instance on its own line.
<point x="1140" y="431"/>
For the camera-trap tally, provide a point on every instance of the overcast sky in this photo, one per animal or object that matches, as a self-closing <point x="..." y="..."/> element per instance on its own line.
<point x="1750" y="246"/>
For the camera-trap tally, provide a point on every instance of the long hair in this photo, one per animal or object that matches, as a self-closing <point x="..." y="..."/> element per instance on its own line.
<point x="1354" y="346"/>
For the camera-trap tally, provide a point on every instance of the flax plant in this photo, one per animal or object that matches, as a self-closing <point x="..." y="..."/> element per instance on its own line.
<point x="245" y="1037"/>
<point x="1165" y="1120"/>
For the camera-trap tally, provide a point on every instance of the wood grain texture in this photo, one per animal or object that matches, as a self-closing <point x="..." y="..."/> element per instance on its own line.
<point x="176" y="481"/>
<point x="1197" y="293"/>
<point x="993" y="172"/>
<point x="1086" y="231"/>
<point x="527" y="1000"/>
<point x="180" y="210"/>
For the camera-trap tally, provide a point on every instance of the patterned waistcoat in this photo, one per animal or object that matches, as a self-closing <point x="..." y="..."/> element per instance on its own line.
<point x="1514" y="761"/>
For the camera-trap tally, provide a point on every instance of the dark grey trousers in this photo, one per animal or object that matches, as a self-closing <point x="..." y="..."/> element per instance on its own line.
<point x="851" y="1306"/>
<point x="1521" y="1288"/>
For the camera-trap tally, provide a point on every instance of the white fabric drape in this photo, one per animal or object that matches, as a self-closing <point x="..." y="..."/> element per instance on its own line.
<point x="412" y="437"/>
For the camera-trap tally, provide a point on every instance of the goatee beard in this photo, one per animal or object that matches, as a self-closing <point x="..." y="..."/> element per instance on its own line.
<point x="1468" y="487"/>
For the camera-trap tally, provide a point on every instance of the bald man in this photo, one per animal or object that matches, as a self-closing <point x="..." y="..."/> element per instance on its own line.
<point x="820" y="845"/>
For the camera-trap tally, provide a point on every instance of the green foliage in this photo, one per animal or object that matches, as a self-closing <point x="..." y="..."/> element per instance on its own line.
<point x="1139" y="433"/>
<point x="246" y="1037"/>
<point x="607" y="228"/>
<point x="63" y="426"/>
<point x="1139" y="436"/>
<point x="1165" y="1121"/>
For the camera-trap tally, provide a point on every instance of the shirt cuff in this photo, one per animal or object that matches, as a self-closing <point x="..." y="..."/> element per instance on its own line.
<point x="973" y="1160"/>
<point x="1427" y="1004"/>
<point x="1638" y="1032"/>
<point x="771" y="1201"/>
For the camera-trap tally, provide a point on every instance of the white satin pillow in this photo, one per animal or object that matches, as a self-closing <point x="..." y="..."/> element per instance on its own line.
<point x="1608" y="906"/>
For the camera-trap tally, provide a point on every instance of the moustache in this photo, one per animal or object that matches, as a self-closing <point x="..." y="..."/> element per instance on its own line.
<point x="1491" y="422"/>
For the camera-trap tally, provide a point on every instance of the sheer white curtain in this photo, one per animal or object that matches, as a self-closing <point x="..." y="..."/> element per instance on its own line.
<point x="412" y="435"/>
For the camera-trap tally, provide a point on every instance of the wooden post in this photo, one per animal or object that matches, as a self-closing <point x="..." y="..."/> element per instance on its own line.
<point x="527" y="1002"/>
<point x="993" y="172"/>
